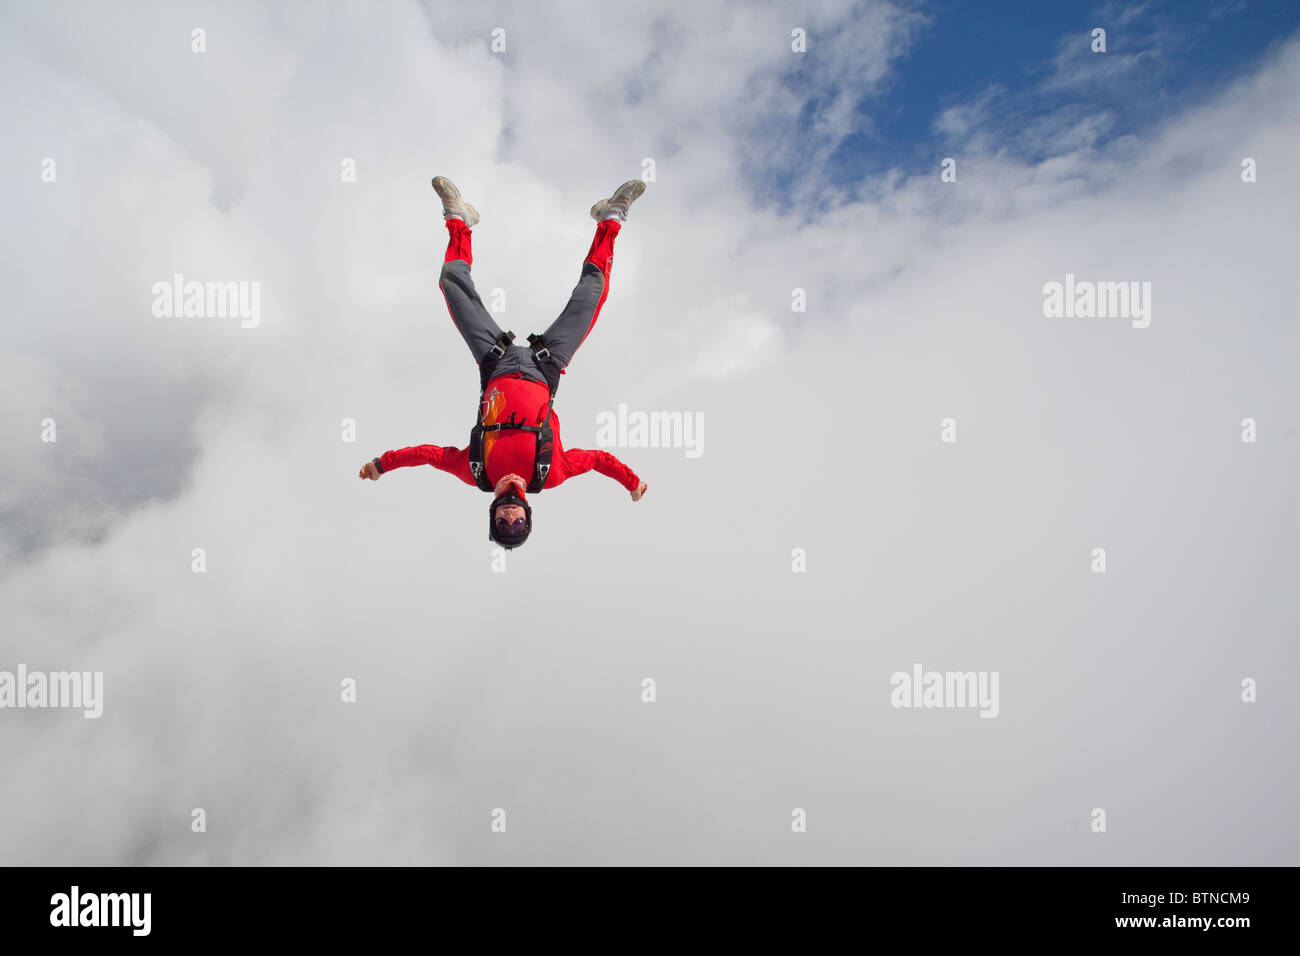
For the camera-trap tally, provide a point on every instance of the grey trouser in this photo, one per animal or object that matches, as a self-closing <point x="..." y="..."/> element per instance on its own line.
<point x="480" y="330"/>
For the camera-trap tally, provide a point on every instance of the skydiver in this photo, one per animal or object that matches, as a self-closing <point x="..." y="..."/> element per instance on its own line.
<point x="516" y="432"/>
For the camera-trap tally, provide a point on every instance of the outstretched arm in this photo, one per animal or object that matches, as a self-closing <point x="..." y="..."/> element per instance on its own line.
<point x="454" y="461"/>
<point x="580" y="461"/>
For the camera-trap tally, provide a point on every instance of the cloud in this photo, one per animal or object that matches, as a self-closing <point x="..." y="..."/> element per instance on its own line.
<point x="521" y="690"/>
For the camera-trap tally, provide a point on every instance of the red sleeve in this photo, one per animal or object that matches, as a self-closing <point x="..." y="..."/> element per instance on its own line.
<point x="578" y="462"/>
<point x="454" y="461"/>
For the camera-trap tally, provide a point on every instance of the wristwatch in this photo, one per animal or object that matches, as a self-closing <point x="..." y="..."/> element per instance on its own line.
<point x="379" y="466"/>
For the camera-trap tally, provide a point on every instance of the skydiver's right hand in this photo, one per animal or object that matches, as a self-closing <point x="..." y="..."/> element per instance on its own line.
<point x="369" y="470"/>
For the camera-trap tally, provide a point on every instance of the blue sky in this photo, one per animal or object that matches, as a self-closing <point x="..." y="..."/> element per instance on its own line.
<point x="1162" y="57"/>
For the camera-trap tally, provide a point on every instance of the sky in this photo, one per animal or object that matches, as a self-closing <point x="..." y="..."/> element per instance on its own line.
<point x="906" y="463"/>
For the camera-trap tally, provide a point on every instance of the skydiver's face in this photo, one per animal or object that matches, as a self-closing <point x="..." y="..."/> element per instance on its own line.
<point x="510" y="518"/>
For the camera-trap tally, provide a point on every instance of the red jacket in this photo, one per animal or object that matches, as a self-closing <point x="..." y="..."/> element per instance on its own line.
<point x="512" y="450"/>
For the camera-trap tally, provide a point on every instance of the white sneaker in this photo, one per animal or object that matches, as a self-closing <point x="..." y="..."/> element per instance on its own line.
<point x="453" y="207"/>
<point x="618" y="203"/>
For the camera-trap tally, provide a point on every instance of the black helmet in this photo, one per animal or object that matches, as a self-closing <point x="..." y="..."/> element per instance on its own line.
<point x="509" y="537"/>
